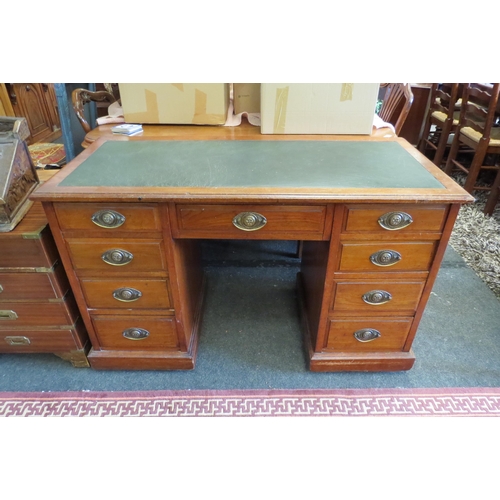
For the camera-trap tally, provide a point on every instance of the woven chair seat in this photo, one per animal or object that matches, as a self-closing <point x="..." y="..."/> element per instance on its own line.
<point x="476" y="136"/>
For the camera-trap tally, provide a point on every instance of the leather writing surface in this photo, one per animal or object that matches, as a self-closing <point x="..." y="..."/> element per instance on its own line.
<point x="241" y="164"/>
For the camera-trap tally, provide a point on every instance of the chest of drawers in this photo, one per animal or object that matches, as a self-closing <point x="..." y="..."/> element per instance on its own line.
<point x="38" y="312"/>
<point x="374" y="218"/>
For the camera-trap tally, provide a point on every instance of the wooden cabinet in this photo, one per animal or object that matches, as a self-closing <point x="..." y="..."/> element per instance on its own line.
<point x="38" y="312"/>
<point x="37" y="103"/>
<point x="375" y="217"/>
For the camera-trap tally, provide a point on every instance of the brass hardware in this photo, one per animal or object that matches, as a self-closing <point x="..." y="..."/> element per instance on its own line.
<point x="108" y="219"/>
<point x="6" y="314"/>
<point x="117" y="257"/>
<point x="135" y="333"/>
<point x="34" y="235"/>
<point x="18" y="340"/>
<point x="249" y="221"/>
<point x="385" y="258"/>
<point x="367" y="335"/>
<point x="377" y="297"/>
<point x="1" y="288"/>
<point x="393" y="221"/>
<point x="127" y="294"/>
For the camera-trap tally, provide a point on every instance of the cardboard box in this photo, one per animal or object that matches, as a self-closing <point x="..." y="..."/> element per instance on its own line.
<point x="318" y="108"/>
<point x="177" y="103"/>
<point x="246" y="98"/>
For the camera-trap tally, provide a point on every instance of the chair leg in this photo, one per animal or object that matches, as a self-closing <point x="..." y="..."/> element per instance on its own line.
<point x="425" y="135"/>
<point x="475" y="168"/>
<point x="494" y="196"/>
<point x="443" y="140"/>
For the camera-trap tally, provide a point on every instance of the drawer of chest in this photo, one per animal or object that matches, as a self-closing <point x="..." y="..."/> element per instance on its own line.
<point x="108" y="217"/>
<point x="34" y="286"/>
<point x="116" y="255"/>
<point x="252" y="221"/>
<point x="368" y="334"/>
<point x="136" y="333"/>
<point x="14" y="314"/>
<point x="386" y="256"/>
<point x="395" y="219"/>
<point x="126" y="294"/>
<point x="355" y="298"/>
<point x="43" y="339"/>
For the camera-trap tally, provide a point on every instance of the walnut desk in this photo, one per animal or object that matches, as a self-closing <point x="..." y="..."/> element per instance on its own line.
<point x="374" y="216"/>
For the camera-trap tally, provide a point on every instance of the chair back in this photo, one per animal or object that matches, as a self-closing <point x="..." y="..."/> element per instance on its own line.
<point x="81" y="97"/>
<point x="396" y="105"/>
<point x="479" y="108"/>
<point x="444" y="97"/>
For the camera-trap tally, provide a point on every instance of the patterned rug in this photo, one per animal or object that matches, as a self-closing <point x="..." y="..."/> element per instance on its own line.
<point x="44" y="154"/>
<point x="449" y="402"/>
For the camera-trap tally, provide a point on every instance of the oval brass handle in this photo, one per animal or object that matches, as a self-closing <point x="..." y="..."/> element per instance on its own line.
<point x="127" y="294"/>
<point x="385" y="258"/>
<point x="108" y="219"/>
<point x="6" y="314"/>
<point x="135" y="333"/>
<point x="377" y="297"/>
<point x="117" y="257"/>
<point x="367" y="334"/>
<point x="17" y="340"/>
<point x="249" y="221"/>
<point x="392" y="221"/>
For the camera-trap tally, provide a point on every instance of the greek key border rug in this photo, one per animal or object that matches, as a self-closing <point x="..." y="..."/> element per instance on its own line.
<point x="452" y="402"/>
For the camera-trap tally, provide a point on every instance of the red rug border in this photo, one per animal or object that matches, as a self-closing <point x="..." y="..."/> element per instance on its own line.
<point x="433" y="402"/>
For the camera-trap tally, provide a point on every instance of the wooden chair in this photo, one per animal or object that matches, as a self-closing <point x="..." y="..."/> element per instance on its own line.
<point x="443" y="115"/>
<point x="476" y="130"/>
<point x="81" y="97"/>
<point x="396" y="104"/>
<point x="494" y="196"/>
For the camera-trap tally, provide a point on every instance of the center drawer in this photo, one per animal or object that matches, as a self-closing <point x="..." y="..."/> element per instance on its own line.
<point x="252" y="222"/>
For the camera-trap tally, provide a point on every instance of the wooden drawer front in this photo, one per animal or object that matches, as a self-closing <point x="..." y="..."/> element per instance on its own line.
<point x="33" y="286"/>
<point x="161" y="333"/>
<point x="366" y="219"/>
<point x="14" y="314"/>
<point x="393" y="333"/>
<point x="377" y="297"/>
<point x="43" y="340"/>
<point x="25" y="251"/>
<point x="153" y="294"/>
<point x="115" y="217"/>
<point x="147" y="255"/>
<point x="414" y="256"/>
<point x="282" y="222"/>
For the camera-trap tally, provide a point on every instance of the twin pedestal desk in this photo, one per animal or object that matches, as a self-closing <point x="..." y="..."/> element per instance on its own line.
<point x="374" y="217"/>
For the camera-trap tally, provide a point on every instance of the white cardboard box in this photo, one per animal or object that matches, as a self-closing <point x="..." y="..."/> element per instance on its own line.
<point x="179" y="103"/>
<point x="246" y="97"/>
<point x="318" y="108"/>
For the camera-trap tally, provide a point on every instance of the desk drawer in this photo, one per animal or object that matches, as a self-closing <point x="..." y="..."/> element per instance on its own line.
<point x="126" y="294"/>
<point x="395" y="219"/>
<point x="377" y="297"/>
<point x="252" y="222"/>
<point x="106" y="218"/>
<point x="387" y="256"/>
<point x="14" y="314"/>
<point x="122" y="255"/>
<point x="375" y="334"/>
<point x="136" y="333"/>
<point x="34" y="286"/>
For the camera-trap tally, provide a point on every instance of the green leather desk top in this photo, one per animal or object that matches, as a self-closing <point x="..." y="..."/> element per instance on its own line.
<point x="242" y="164"/>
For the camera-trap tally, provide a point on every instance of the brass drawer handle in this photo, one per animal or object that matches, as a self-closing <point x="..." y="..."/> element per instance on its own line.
<point x="117" y="257"/>
<point x="135" y="333"/>
<point x="367" y="335"/>
<point x="18" y="340"/>
<point x="393" y="221"/>
<point x="6" y="314"/>
<point x="1" y="288"/>
<point x="249" y="221"/>
<point x="108" y="219"/>
<point x="127" y="294"/>
<point x="377" y="297"/>
<point x="385" y="258"/>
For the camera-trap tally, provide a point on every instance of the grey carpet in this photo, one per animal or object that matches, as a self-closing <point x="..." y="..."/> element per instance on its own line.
<point x="251" y="337"/>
